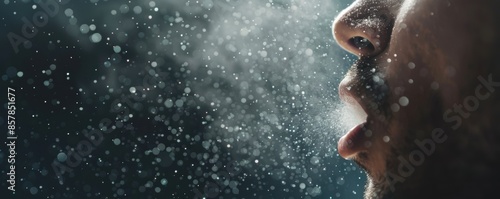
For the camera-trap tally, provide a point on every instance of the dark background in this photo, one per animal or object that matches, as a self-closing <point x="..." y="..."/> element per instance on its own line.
<point x="234" y="99"/>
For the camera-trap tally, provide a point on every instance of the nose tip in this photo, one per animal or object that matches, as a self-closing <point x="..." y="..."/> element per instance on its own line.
<point x="363" y="33"/>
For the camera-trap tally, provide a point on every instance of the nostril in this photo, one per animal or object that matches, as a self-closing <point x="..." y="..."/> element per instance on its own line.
<point x="362" y="44"/>
<point x="365" y="28"/>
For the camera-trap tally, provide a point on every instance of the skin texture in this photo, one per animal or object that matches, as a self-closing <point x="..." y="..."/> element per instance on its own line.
<point x="443" y="57"/>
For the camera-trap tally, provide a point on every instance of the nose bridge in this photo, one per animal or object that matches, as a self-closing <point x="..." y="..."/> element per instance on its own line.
<point x="367" y="21"/>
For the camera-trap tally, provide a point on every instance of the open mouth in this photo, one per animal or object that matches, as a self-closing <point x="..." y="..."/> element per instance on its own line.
<point x="362" y="106"/>
<point x="364" y="92"/>
<point x="357" y="138"/>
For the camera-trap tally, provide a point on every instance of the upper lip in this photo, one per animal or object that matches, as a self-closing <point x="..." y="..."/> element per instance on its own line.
<point x="359" y="87"/>
<point x="351" y="99"/>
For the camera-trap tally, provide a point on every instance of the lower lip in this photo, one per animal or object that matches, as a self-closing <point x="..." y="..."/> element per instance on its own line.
<point x="352" y="142"/>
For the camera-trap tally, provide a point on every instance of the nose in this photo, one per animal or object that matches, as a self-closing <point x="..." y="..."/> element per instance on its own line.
<point x="365" y="27"/>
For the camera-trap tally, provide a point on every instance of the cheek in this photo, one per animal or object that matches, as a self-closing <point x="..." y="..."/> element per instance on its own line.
<point x="416" y="61"/>
<point x="413" y="79"/>
<point x="434" y="60"/>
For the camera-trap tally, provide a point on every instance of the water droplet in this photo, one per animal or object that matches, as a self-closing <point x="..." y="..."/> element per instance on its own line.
<point x="404" y="101"/>
<point x="95" y="38"/>
<point x="62" y="157"/>
<point x="132" y="89"/>
<point x="411" y="65"/>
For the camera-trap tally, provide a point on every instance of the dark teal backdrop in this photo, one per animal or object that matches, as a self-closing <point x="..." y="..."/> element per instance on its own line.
<point x="175" y="99"/>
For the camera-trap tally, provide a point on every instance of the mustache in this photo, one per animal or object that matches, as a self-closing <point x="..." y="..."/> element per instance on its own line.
<point x="370" y="85"/>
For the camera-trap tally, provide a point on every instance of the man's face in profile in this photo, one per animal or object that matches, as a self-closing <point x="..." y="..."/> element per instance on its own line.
<point x="426" y="78"/>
